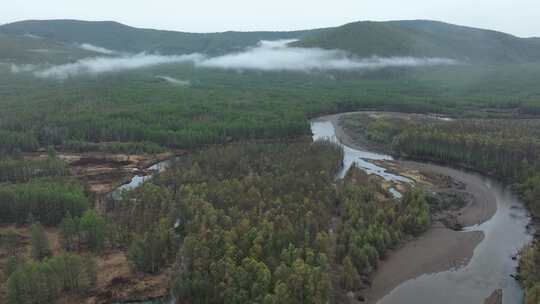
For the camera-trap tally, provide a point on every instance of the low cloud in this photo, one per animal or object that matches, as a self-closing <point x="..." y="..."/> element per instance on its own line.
<point x="22" y="68"/>
<point x="277" y="56"/>
<point x="97" y="49"/>
<point x="100" y="65"/>
<point x="266" y="56"/>
<point x="44" y="51"/>
<point x="32" y="36"/>
<point x="174" y="81"/>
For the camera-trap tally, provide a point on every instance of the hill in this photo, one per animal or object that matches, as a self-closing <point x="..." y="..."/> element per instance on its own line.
<point x="31" y="49"/>
<point x="120" y="37"/>
<point x="416" y="38"/>
<point x="422" y="38"/>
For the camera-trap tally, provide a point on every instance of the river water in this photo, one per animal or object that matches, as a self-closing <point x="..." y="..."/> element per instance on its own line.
<point x="138" y="180"/>
<point x="491" y="266"/>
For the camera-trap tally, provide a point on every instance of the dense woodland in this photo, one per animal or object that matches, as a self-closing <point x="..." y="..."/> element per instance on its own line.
<point x="506" y="149"/>
<point x="237" y="224"/>
<point x="38" y="190"/>
<point x="252" y="224"/>
<point x="143" y="112"/>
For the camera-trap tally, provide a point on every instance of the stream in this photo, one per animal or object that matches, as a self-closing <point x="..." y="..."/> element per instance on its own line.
<point x="491" y="266"/>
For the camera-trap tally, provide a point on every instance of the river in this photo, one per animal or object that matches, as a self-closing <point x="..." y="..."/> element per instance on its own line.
<point x="491" y="265"/>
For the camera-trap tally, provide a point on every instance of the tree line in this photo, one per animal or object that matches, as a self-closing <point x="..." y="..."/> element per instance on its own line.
<point x="18" y="170"/>
<point x="45" y="201"/>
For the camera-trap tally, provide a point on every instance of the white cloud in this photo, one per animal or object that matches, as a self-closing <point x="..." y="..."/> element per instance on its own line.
<point x="100" y="65"/>
<point x="266" y="56"/>
<point x="32" y="36"/>
<point x="97" y="49"/>
<point x="22" y="68"/>
<point x="174" y="80"/>
<point x="277" y="56"/>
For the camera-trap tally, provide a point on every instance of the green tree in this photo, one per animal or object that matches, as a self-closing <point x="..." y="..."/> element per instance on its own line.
<point x="42" y="282"/>
<point x="153" y="250"/>
<point x="69" y="232"/>
<point x="282" y="294"/>
<point x="349" y="277"/>
<point x="92" y="230"/>
<point x="40" y="242"/>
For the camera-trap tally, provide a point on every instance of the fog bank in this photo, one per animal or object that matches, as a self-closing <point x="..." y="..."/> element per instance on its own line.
<point x="277" y="56"/>
<point x="100" y="65"/>
<point x="266" y="56"/>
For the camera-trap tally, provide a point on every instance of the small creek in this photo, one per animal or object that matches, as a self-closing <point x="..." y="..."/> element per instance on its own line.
<point x="491" y="266"/>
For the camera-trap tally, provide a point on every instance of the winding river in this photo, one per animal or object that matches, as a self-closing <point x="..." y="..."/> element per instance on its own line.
<point x="491" y="265"/>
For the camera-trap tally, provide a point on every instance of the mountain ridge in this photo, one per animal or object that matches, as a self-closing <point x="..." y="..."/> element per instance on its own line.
<point x="426" y="38"/>
<point x="405" y="38"/>
<point x="117" y="36"/>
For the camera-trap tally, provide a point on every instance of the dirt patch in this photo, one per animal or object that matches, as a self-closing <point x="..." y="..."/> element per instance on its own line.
<point x="118" y="282"/>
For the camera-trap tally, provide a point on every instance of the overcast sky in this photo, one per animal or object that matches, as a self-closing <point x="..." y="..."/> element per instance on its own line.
<point x="518" y="17"/>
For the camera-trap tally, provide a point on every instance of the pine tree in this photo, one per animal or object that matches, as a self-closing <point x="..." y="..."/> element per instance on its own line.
<point x="39" y="241"/>
<point x="92" y="228"/>
<point x="68" y="232"/>
<point x="350" y="277"/>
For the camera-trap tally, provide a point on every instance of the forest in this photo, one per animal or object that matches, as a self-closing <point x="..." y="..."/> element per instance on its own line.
<point x="236" y="224"/>
<point x="508" y="149"/>
<point x="145" y="113"/>
<point x="40" y="190"/>
<point x="243" y="223"/>
<point x="251" y="224"/>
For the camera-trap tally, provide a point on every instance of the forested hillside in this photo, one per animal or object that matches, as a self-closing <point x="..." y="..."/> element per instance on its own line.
<point x="120" y="37"/>
<point x="422" y="38"/>
<point x="24" y="49"/>
<point x="220" y="106"/>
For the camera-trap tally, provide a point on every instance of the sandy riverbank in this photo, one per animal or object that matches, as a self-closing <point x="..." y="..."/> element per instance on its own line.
<point x="440" y="248"/>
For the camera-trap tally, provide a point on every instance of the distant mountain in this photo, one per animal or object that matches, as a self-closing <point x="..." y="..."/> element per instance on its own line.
<point x="120" y="37"/>
<point x="417" y="38"/>
<point x="422" y="38"/>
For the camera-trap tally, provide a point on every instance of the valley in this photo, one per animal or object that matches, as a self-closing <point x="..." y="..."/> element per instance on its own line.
<point x="374" y="162"/>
